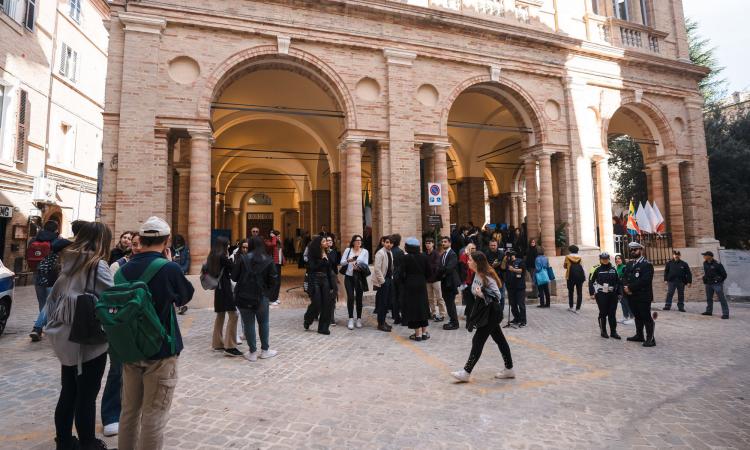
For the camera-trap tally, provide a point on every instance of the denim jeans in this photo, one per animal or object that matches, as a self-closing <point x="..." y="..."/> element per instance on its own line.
<point x="41" y="297"/>
<point x="671" y="287"/>
<point x="719" y="289"/>
<point x="249" y="316"/>
<point x="111" y="399"/>
<point x="626" y="312"/>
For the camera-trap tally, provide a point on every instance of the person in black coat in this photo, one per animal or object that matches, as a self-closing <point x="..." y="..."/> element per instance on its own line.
<point x="676" y="274"/>
<point x="449" y="281"/>
<point x="255" y="275"/>
<point x="220" y="266"/>
<point x="414" y="272"/>
<point x="714" y="276"/>
<point x="530" y="262"/>
<point x="638" y="277"/>
<point x="605" y="286"/>
<point x="396" y="306"/>
<point x="321" y="280"/>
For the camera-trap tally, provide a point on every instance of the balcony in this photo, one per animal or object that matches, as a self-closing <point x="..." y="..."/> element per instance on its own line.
<point x="522" y="11"/>
<point x="623" y="34"/>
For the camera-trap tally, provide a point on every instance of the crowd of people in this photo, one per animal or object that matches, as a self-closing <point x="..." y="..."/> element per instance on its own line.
<point x="416" y="285"/>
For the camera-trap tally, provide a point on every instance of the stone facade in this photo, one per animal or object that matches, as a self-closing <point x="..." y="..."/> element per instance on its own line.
<point x="520" y="95"/>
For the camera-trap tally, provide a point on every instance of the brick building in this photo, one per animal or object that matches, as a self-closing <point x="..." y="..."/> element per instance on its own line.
<point x="53" y="55"/>
<point x="285" y="113"/>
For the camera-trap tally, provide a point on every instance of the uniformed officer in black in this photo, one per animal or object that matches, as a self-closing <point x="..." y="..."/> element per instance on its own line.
<point x="637" y="279"/>
<point x="605" y="286"/>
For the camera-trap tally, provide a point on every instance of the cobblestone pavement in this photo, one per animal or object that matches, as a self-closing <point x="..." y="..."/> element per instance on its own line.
<point x="368" y="389"/>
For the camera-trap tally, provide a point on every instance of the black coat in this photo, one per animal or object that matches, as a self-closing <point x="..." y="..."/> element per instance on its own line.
<point x="448" y="272"/>
<point x="713" y="272"/>
<point x="248" y="294"/>
<point x="223" y="295"/>
<point x="414" y="271"/>
<point x="638" y="276"/>
<point x="678" y="272"/>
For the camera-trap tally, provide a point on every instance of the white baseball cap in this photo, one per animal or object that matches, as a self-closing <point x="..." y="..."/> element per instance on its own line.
<point x="154" y="227"/>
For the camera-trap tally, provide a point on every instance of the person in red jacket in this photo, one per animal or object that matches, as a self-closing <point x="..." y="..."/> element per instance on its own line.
<point x="274" y="249"/>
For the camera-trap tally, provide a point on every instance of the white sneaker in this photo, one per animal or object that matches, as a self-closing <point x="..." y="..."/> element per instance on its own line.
<point x="506" y="373"/>
<point x="350" y="325"/>
<point x="358" y="324"/>
<point x="571" y="310"/>
<point x="251" y="356"/>
<point x="577" y="311"/>
<point x="111" y="430"/>
<point x="462" y="376"/>
<point x="266" y="354"/>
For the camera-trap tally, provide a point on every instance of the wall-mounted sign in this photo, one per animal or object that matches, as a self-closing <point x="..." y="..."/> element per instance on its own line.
<point x="434" y="194"/>
<point x="6" y="211"/>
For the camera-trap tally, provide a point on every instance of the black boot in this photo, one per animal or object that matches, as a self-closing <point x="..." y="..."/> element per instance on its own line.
<point x="650" y="341"/>
<point x="69" y="444"/>
<point x="603" y="327"/>
<point x="613" y="328"/>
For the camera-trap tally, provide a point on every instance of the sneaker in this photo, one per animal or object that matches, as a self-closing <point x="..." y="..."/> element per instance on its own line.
<point x="522" y="325"/>
<point x="439" y="318"/>
<point x="220" y="349"/>
<point x="450" y="326"/>
<point x="577" y="311"/>
<point x="251" y="356"/>
<point x="111" y="430"/>
<point x="505" y="374"/>
<point x="650" y="343"/>
<point x="571" y="309"/>
<point x="461" y="375"/>
<point x="182" y="310"/>
<point x="629" y="322"/>
<point x="385" y="327"/>
<point x="268" y="354"/>
<point x="726" y="316"/>
<point x="35" y="335"/>
<point x="232" y="352"/>
<point x="707" y="313"/>
<point x="350" y="325"/>
<point x="358" y="323"/>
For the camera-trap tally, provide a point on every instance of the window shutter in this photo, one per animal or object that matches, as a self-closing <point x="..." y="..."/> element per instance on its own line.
<point x="73" y="68"/>
<point x="30" y="14"/>
<point x="22" y="130"/>
<point x="63" y="60"/>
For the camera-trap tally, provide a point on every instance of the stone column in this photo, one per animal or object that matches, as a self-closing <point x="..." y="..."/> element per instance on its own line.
<point x="384" y="189"/>
<point x="507" y="209"/>
<point x="496" y="208"/>
<point x="321" y="209"/>
<point x="547" y="207"/>
<point x="199" y="226"/>
<point x="235" y="223"/>
<point x="352" y="189"/>
<point x="422" y="222"/>
<point x="336" y="203"/>
<point x="375" y="198"/>
<point x="532" y="199"/>
<point x="702" y="223"/>
<point x="604" y="206"/>
<point x="241" y="224"/>
<point x="676" y="216"/>
<point x="656" y="179"/>
<point x="183" y="200"/>
<point x="512" y="209"/>
<point x="440" y="175"/>
<point x="305" y="216"/>
<point x="429" y="175"/>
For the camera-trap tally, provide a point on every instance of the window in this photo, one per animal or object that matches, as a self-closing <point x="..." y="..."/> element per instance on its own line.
<point x="621" y="9"/>
<point x="68" y="63"/>
<point x="595" y="6"/>
<point x="75" y="10"/>
<point x="22" y="131"/>
<point x="30" y="14"/>
<point x="646" y="12"/>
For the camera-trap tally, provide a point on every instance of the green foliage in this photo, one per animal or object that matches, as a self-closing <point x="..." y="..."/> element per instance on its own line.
<point x="561" y="235"/>
<point x="728" y="141"/>
<point x="627" y="170"/>
<point x="713" y="87"/>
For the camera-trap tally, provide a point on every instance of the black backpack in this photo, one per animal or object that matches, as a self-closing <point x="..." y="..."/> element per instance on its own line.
<point x="249" y="289"/>
<point x="577" y="274"/>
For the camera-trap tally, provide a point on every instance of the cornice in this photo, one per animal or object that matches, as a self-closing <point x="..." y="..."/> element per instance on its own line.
<point x="142" y="23"/>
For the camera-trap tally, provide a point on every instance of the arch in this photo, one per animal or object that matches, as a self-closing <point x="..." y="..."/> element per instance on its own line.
<point x="298" y="184"/>
<point x="516" y="97"/>
<point x="223" y="75"/>
<point x="491" y="179"/>
<point x="650" y="115"/>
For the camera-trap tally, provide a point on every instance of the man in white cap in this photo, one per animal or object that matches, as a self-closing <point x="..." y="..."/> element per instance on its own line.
<point x="638" y="277"/>
<point x="148" y="385"/>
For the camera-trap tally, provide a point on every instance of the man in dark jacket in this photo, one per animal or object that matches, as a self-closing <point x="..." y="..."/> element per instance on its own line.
<point x="638" y="277"/>
<point x="495" y="258"/>
<point x="515" y="282"/>
<point x="449" y="281"/>
<point x="713" y="277"/>
<point x="605" y="286"/>
<point x="397" y="253"/>
<point x="676" y="274"/>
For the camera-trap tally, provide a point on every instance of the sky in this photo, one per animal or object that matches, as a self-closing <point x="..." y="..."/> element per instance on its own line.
<point x="724" y="22"/>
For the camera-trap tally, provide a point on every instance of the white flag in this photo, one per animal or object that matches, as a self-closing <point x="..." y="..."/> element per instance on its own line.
<point x="642" y="218"/>
<point x="661" y="227"/>
<point x="651" y="217"/>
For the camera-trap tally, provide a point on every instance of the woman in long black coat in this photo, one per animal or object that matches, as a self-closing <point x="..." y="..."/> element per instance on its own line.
<point x="414" y="272"/>
<point x="219" y="265"/>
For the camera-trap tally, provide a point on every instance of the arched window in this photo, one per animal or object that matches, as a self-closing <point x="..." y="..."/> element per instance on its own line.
<point x="260" y="198"/>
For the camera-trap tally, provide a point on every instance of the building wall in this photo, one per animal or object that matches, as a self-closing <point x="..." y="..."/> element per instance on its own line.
<point x="64" y="128"/>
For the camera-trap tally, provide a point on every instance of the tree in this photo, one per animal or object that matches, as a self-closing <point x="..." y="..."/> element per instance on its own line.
<point x="626" y="162"/>
<point x="713" y="86"/>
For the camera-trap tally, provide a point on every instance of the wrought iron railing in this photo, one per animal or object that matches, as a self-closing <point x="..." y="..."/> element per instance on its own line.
<point x="658" y="246"/>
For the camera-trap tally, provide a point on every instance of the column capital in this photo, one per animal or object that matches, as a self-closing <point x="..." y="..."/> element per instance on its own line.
<point x="142" y="23"/>
<point x="656" y="165"/>
<point x="201" y="133"/>
<point x="351" y="144"/>
<point x="161" y="133"/>
<point x="183" y="171"/>
<point x="399" y="57"/>
<point x="674" y="161"/>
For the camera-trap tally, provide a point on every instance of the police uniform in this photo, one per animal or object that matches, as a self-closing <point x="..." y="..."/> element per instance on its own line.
<point x="605" y="285"/>
<point x="638" y="277"/>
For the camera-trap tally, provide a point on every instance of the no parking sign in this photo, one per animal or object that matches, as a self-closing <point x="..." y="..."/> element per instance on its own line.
<point x="434" y="194"/>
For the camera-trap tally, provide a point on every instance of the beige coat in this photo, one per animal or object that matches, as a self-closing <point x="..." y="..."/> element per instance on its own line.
<point x="380" y="267"/>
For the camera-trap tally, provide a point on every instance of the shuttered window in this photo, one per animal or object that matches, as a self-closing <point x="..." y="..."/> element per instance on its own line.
<point x="68" y="63"/>
<point x="30" y="16"/>
<point x="75" y="10"/>
<point x="23" y="126"/>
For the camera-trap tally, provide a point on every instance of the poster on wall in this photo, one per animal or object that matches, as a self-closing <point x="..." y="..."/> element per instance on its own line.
<point x="737" y="264"/>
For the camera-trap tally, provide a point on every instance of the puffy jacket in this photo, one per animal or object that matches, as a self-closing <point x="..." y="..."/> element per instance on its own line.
<point x="678" y="272"/>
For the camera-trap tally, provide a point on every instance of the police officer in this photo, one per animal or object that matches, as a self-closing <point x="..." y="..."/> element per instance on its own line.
<point x="637" y="278"/>
<point x="605" y="286"/>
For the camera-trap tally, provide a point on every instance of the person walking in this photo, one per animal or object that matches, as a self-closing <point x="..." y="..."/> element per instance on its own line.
<point x="275" y="249"/>
<point x="530" y="261"/>
<point x="574" y="276"/>
<point x="627" y="314"/>
<point x="485" y="318"/>
<point x="334" y="256"/>
<point x="677" y="275"/>
<point x="638" y="277"/>
<point x="541" y="271"/>
<point x="415" y="269"/>
<point x="143" y="419"/>
<point x="84" y="270"/>
<point x="449" y="281"/>
<point x="467" y="277"/>
<point x="220" y="266"/>
<point x="382" y="282"/>
<point x="321" y="278"/>
<point x="516" y="285"/>
<point x="255" y="275"/>
<point x="605" y="286"/>
<point x="434" y="292"/>
<point x="356" y="259"/>
<point x="714" y="276"/>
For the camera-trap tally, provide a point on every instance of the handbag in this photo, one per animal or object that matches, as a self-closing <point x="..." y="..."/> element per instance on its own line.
<point x="542" y="278"/>
<point x="86" y="328"/>
<point x="550" y="273"/>
<point x="208" y="281"/>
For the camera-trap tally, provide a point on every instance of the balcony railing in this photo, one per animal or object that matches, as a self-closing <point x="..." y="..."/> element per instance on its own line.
<point x="521" y="10"/>
<point x="619" y="33"/>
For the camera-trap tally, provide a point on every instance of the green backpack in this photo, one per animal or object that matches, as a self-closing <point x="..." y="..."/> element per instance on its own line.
<point x="126" y="312"/>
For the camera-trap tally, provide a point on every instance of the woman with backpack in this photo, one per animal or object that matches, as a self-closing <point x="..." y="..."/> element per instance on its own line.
<point x="354" y="262"/>
<point x="220" y="267"/>
<point x="255" y="275"/>
<point x="575" y="276"/>
<point x="84" y="270"/>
